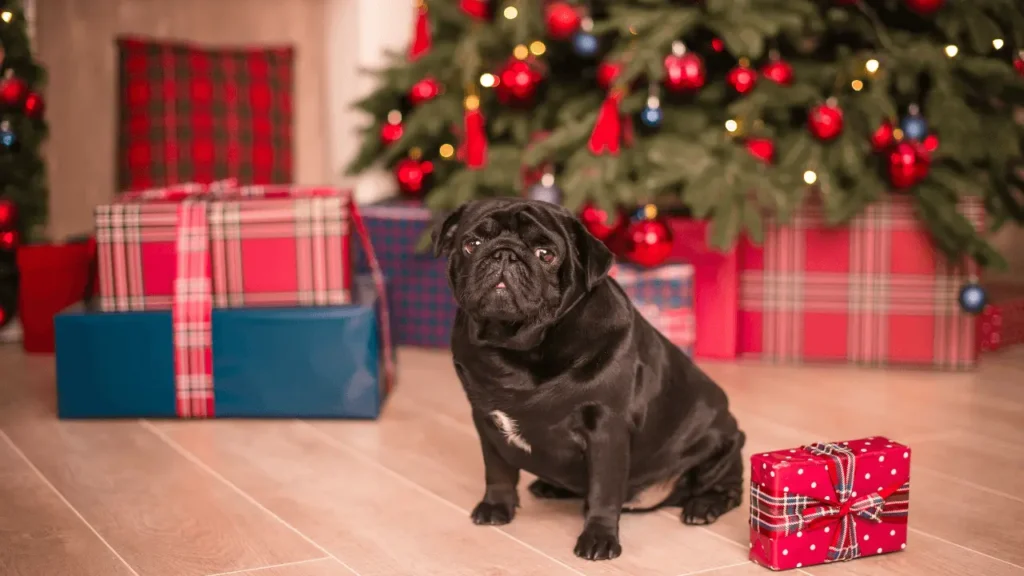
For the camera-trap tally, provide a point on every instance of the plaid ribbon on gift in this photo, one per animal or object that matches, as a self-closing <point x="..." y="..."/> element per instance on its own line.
<point x="789" y="513"/>
<point x="191" y="113"/>
<point x="191" y="313"/>
<point x="664" y="297"/>
<point x="873" y="292"/>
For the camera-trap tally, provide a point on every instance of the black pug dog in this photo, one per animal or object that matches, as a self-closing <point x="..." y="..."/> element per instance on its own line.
<point x="567" y="381"/>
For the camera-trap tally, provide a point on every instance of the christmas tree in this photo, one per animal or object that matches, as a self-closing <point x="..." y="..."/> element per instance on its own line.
<point x="738" y="110"/>
<point x="23" y="196"/>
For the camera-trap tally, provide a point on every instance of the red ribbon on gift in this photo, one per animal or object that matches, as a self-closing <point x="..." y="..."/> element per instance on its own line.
<point x="192" y="307"/>
<point x="790" y="513"/>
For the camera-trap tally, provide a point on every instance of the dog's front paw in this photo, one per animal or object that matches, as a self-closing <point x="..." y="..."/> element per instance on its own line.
<point x="598" y="543"/>
<point x="493" y="513"/>
<point x="707" y="508"/>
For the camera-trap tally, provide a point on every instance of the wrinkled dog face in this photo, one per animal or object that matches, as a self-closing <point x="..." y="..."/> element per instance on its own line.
<point x="514" y="260"/>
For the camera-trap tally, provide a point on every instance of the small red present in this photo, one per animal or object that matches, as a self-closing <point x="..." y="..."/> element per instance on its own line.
<point x="875" y="291"/>
<point x="828" y="502"/>
<point x="1002" y="322"/>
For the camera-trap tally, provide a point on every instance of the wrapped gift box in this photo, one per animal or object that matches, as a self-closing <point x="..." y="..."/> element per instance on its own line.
<point x="828" y="502"/>
<point x="715" y="287"/>
<point x="664" y="296"/>
<point x="311" y="362"/>
<point x="267" y="246"/>
<point x="1002" y="322"/>
<point x="423" y="306"/>
<point x="873" y="292"/>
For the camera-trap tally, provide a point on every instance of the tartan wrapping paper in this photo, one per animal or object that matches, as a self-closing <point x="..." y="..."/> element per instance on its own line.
<point x="281" y="246"/>
<point x="424" y="307"/>
<point x="192" y="113"/>
<point x="1001" y="324"/>
<point x="829" y="502"/>
<point x="664" y="297"/>
<point x="873" y="292"/>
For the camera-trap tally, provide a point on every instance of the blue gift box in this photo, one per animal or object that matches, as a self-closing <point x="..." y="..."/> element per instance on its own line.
<point x="322" y="362"/>
<point x="423" y="307"/>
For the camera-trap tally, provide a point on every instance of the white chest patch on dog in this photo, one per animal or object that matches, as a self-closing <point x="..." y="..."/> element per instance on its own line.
<point x="510" y="429"/>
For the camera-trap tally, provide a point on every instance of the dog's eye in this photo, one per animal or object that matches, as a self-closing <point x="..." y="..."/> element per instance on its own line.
<point x="545" y="256"/>
<point x="470" y="246"/>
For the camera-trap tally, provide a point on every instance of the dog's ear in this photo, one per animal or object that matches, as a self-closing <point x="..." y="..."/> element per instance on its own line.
<point x="443" y="234"/>
<point x="595" y="258"/>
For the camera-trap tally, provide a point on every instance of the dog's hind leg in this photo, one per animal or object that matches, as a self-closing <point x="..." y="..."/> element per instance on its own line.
<point x="547" y="491"/>
<point x="714" y="487"/>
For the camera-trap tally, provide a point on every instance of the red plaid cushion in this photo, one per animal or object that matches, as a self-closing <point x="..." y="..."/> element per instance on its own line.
<point x="194" y="114"/>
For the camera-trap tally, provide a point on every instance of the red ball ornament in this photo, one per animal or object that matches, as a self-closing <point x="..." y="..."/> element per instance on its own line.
<point x="761" y="148"/>
<point x="607" y="72"/>
<point x="906" y="166"/>
<point x="6" y="214"/>
<point x="13" y="91"/>
<point x="647" y="241"/>
<point x="742" y="79"/>
<point x="1018" y="63"/>
<point x="412" y="174"/>
<point x="599" y="223"/>
<point x="479" y="9"/>
<point x="778" y="71"/>
<point x="924" y="7"/>
<point x="562" y="20"/>
<point x="825" y="121"/>
<point x="684" y="71"/>
<point x="518" y="83"/>
<point x="8" y="240"/>
<point x="34" y="105"/>
<point x="883" y="138"/>
<point x="424" y="90"/>
<point x="390" y="133"/>
<point x="930" y="143"/>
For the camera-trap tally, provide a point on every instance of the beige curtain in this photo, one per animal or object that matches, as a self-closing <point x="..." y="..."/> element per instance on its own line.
<point x="75" y="41"/>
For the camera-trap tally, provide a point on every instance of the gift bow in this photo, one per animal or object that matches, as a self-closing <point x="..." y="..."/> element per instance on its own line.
<point x="790" y="513"/>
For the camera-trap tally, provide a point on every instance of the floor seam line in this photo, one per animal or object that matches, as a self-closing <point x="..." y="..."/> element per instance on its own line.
<point x="60" y="495"/>
<point x="271" y="567"/>
<point x="962" y="547"/>
<point x="331" y="440"/>
<point x="195" y="460"/>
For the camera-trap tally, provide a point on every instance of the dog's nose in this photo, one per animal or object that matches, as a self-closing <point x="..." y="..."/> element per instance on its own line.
<point x="505" y="255"/>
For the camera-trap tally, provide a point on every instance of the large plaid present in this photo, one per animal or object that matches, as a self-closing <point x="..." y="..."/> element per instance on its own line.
<point x="154" y="252"/>
<point x="1001" y="324"/>
<point x="424" y="307"/>
<point x="664" y="297"/>
<point x="192" y="113"/>
<point x="874" y="292"/>
<point x="306" y="362"/>
<point x="828" y="502"/>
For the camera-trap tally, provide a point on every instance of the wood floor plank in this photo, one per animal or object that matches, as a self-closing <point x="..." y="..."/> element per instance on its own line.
<point x="39" y="533"/>
<point x="371" y="519"/>
<point x="985" y="461"/>
<point x="324" y="567"/>
<point x="164" y="515"/>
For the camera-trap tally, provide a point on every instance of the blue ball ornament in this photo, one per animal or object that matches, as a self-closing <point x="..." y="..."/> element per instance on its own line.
<point x="7" y="137"/>
<point x="651" y="116"/>
<point x="973" y="298"/>
<point x="914" y="127"/>
<point x="585" y="44"/>
<point x="545" y="190"/>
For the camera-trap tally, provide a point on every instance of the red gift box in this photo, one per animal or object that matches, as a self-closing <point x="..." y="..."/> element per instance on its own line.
<point x="715" y="286"/>
<point x="268" y="246"/>
<point x="1002" y="322"/>
<point x="53" y="277"/>
<point x="873" y="292"/>
<point x="828" y="502"/>
<point x="664" y="297"/>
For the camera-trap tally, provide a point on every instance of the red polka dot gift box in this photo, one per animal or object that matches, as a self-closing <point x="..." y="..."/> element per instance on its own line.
<point x="828" y="502"/>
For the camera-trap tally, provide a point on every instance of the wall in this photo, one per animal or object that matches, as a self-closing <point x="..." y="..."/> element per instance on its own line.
<point x="75" y="41"/>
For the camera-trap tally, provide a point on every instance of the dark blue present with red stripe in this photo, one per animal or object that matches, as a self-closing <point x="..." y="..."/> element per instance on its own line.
<point x="664" y="296"/>
<point x="423" y="306"/>
<point x="308" y="362"/>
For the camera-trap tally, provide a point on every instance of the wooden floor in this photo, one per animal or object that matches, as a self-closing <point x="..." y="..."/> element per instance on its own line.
<point x="319" y="498"/>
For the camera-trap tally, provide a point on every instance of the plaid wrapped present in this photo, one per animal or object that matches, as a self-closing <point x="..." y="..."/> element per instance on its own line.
<point x="154" y="252"/>
<point x="874" y="292"/>
<point x="424" y="307"/>
<point x="191" y="113"/>
<point x="664" y="297"/>
<point x="1001" y="324"/>
<point x="829" y="502"/>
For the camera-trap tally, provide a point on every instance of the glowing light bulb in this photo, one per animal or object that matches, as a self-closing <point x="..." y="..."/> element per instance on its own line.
<point x="857" y="85"/>
<point x="537" y="48"/>
<point x="487" y="80"/>
<point x="394" y="117"/>
<point x="511" y="12"/>
<point x="810" y="177"/>
<point x="446" y="151"/>
<point x="6" y="16"/>
<point x="521" y="52"/>
<point x="997" y="43"/>
<point x="951" y="50"/>
<point x="871" y="66"/>
<point x="731" y="125"/>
